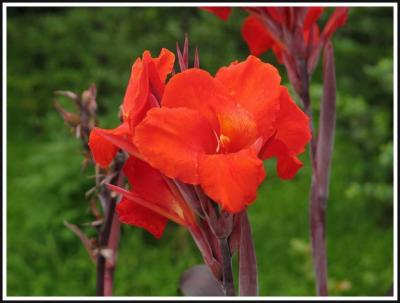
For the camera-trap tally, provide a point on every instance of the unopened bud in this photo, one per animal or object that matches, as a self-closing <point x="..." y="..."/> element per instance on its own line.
<point x="299" y="48"/>
<point x="89" y="100"/>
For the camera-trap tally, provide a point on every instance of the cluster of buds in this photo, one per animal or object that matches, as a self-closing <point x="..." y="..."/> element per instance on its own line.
<point x="85" y="118"/>
<point x="297" y="40"/>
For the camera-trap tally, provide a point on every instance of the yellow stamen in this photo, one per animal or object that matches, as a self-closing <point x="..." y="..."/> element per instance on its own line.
<point x="224" y="139"/>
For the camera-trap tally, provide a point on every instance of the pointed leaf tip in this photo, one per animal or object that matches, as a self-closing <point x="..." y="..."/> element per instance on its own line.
<point x="326" y="123"/>
<point x="185" y="56"/>
<point x="180" y="58"/>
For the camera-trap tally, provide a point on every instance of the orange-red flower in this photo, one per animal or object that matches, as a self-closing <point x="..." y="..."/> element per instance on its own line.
<point x="259" y="39"/>
<point x="145" y="89"/>
<point x="215" y="131"/>
<point x="261" y="36"/>
<point x="201" y="130"/>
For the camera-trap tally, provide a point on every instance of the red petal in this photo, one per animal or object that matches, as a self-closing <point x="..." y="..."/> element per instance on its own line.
<point x="164" y="63"/>
<point x="221" y="12"/>
<point x="292" y="135"/>
<point x="171" y="139"/>
<point x="254" y="85"/>
<point x="103" y="152"/>
<point x="104" y="143"/>
<point x="287" y="163"/>
<point x="158" y="69"/>
<point x="147" y="74"/>
<point x="256" y="35"/>
<point x="136" y="94"/>
<point x="134" y="214"/>
<point x="278" y="51"/>
<point x="197" y="89"/>
<point x="311" y="36"/>
<point x="150" y="185"/>
<point x="293" y="124"/>
<point x="231" y="180"/>
<point x="287" y="167"/>
<point x="148" y="205"/>
<point x="120" y="137"/>
<point x="337" y="19"/>
<point x="312" y="16"/>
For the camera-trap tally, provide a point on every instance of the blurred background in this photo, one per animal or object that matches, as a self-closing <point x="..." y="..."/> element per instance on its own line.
<point x="52" y="49"/>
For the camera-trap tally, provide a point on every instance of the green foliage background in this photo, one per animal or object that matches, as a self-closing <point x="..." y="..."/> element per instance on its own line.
<point x="69" y="48"/>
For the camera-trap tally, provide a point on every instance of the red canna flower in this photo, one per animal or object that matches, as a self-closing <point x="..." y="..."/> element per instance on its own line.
<point x="215" y="131"/>
<point x="259" y="39"/>
<point x="271" y="27"/>
<point x="145" y="88"/>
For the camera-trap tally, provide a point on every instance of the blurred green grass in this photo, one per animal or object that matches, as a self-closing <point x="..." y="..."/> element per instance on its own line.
<point x="50" y="49"/>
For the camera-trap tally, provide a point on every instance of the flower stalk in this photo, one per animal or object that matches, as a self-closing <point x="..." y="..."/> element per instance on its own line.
<point x="105" y="247"/>
<point x="109" y="235"/>
<point x="295" y="38"/>
<point x="316" y="212"/>
<point x="321" y="145"/>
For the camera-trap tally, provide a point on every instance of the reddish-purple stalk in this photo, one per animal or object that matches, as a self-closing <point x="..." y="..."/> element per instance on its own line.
<point x="321" y="150"/>
<point x="109" y="234"/>
<point x="113" y="243"/>
<point x="299" y="68"/>
<point x="317" y="213"/>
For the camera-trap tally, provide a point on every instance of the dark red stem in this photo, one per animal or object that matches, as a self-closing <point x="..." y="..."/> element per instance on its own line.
<point x="109" y="237"/>
<point x="110" y="264"/>
<point x="316" y="211"/>
<point x="318" y="241"/>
